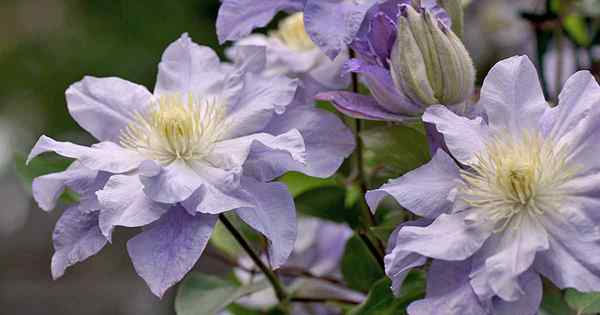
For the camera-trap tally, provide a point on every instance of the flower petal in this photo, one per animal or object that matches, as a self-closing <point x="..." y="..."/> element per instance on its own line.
<point x="237" y="18"/>
<point x="104" y="106"/>
<point x="166" y="251"/>
<point x="464" y="137"/>
<point x="360" y="106"/>
<point x="449" y="237"/>
<point x="332" y="24"/>
<point x="529" y="303"/>
<point x="103" y="156"/>
<point x="424" y="191"/>
<point x="323" y="155"/>
<point x="274" y="216"/>
<point x="259" y="100"/>
<point x="512" y="96"/>
<point x="448" y="289"/>
<point x="125" y="204"/>
<point x="506" y="256"/>
<point x="187" y="67"/>
<point x="76" y="237"/>
<point x="47" y="189"/>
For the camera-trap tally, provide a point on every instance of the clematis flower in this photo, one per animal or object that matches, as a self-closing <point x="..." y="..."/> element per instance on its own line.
<point x="523" y="201"/>
<point x="318" y="250"/>
<point x="409" y="59"/>
<point x="206" y="141"/>
<point x="331" y="24"/>
<point x="291" y="52"/>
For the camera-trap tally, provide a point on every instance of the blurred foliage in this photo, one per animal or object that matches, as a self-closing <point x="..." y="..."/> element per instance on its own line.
<point x="359" y="268"/>
<point x="381" y="301"/>
<point x="583" y="303"/>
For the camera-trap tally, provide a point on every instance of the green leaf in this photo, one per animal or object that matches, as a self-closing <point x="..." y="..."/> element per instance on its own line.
<point x="381" y="300"/>
<point x="328" y="203"/>
<point x="390" y="222"/>
<point x="391" y="151"/>
<point x="576" y="28"/>
<point x="222" y="239"/>
<point x="298" y="183"/>
<point x="553" y="302"/>
<point x="360" y="269"/>
<point x="583" y="303"/>
<point x="201" y="294"/>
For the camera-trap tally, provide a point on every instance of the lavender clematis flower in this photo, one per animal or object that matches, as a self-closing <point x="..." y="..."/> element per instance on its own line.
<point x="523" y="202"/>
<point x="170" y="161"/>
<point x="331" y="24"/>
<point x="291" y="52"/>
<point x="409" y="59"/>
<point x="319" y="249"/>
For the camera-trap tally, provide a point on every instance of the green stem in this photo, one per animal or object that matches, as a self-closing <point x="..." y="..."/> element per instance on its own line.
<point x="271" y="276"/>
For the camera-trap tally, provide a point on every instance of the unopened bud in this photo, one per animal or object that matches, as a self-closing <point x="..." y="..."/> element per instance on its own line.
<point x="429" y="63"/>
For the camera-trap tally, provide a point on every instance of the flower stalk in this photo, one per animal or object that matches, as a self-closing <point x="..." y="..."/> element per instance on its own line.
<point x="271" y="276"/>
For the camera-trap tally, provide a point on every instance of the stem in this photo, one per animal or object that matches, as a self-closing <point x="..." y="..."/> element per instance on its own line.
<point x="322" y="300"/>
<point x="358" y="175"/>
<point x="271" y="276"/>
<point x="559" y="61"/>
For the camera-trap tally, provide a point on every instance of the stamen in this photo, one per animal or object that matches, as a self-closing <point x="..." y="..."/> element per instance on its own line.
<point x="176" y="128"/>
<point x="512" y="176"/>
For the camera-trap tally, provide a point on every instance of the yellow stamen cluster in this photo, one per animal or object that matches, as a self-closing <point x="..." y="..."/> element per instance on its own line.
<point x="515" y="175"/>
<point x="176" y="127"/>
<point x="292" y="33"/>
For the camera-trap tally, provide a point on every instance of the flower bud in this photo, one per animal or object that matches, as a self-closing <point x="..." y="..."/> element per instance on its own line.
<point x="428" y="62"/>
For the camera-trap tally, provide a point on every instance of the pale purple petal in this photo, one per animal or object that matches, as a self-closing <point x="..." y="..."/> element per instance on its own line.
<point x="382" y="87"/>
<point x="580" y="94"/>
<point x="104" y="106"/>
<point x="449" y="237"/>
<point x="332" y="24"/>
<point x="187" y="67"/>
<point x="274" y="216"/>
<point x="529" y="303"/>
<point x="506" y="256"/>
<point x="464" y="137"/>
<point x="448" y="289"/>
<point x="360" y="106"/>
<point x="103" y="156"/>
<point x="237" y="18"/>
<point x="76" y="237"/>
<point x="179" y="180"/>
<point x="170" y="247"/>
<point x="260" y="99"/>
<point x="47" y="189"/>
<point x="573" y="259"/>
<point x="424" y="191"/>
<point x="323" y="155"/>
<point x="512" y="96"/>
<point x="124" y="203"/>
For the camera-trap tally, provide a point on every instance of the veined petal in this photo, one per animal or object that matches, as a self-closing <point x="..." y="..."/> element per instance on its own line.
<point x="125" y="204"/>
<point x="274" y="216"/>
<point x="528" y="304"/>
<point x="360" y="106"/>
<point x="76" y="237"/>
<point x="187" y="67"/>
<point x="448" y="289"/>
<point x="166" y="251"/>
<point x="512" y="96"/>
<point x="449" y="237"/>
<point x="104" y="106"/>
<point x="237" y="18"/>
<point x="47" y="189"/>
<point x="103" y="156"/>
<point x="464" y="137"/>
<point x="323" y="155"/>
<point x="508" y="255"/>
<point x="424" y="191"/>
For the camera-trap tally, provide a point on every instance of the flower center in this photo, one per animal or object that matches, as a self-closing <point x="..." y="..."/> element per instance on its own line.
<point x="292" y="33"/>
<point x="175" y="128"/>
<point x="515" y="175"/>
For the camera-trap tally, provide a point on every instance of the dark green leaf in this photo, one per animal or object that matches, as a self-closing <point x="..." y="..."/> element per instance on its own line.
<point x="201" y="294"/>
<point x="328" y="203"/>
<point x="359" y="268"/>
<point x="583" y="303"/>
<point x="553" y="302"/>
<point x="381" y="300"/>
<point x="298" y="183"/>
<point x="391" y="151"/>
